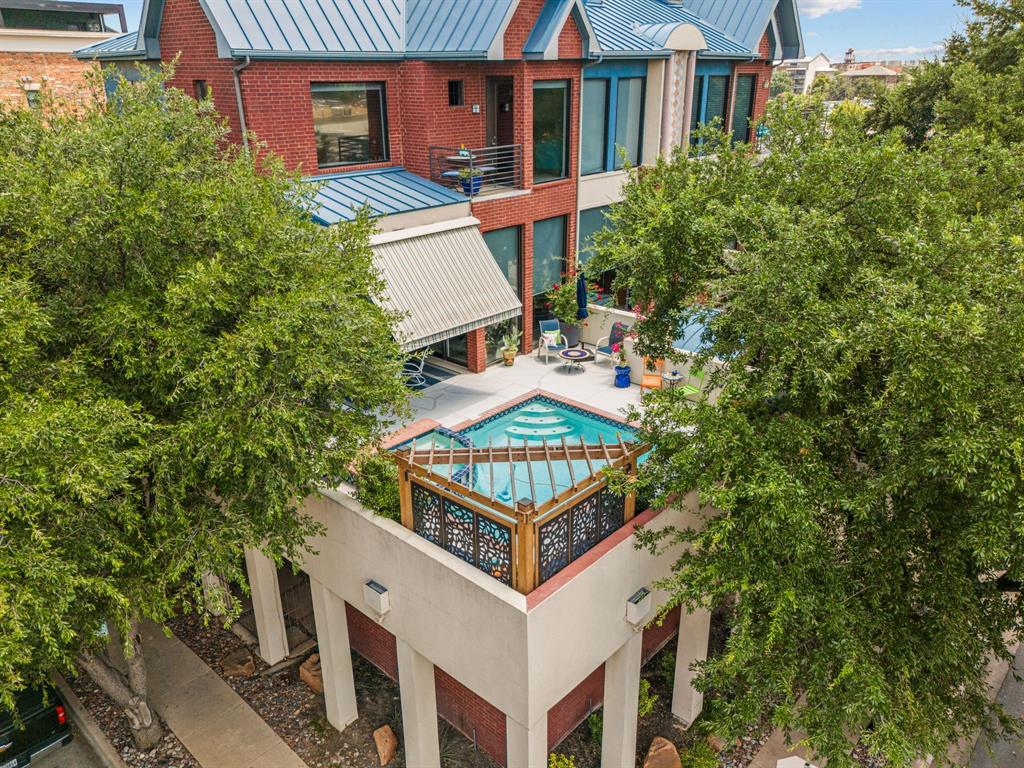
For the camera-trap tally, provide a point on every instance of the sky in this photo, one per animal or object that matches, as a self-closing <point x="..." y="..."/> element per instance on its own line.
<point x="876" y="29"/>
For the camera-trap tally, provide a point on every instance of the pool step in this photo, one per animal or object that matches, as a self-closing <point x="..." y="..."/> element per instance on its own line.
<point x="539" y="432"/>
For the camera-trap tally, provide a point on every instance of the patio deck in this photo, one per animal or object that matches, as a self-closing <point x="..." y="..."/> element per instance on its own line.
<point x="468" y="395"/>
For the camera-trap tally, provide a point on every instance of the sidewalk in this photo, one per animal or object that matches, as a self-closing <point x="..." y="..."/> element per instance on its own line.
<point x="210" y="719"/>
<point x="1006" y="754"/>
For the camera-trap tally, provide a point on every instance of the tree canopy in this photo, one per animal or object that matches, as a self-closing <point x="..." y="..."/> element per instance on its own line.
<point x="184" y="357"/>
<point x="865" y="453"/>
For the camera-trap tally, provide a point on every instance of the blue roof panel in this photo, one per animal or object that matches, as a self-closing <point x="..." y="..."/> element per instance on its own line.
<point x="384" y="190"/>
<point x="126" y="43"/>
<point x="623" y="26"/>
<point x="454" y="26"/>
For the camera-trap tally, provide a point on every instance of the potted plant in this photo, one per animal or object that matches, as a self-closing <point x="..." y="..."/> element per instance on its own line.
<point x="471" y="179"/>
<point x="510" y="346"/>
<point x="563" y="305"/>
<point x="621" y="365"/>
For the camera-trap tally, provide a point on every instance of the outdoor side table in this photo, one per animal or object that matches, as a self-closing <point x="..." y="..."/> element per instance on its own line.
<point x="574" y="358"/>
<point x="672" y="378"/>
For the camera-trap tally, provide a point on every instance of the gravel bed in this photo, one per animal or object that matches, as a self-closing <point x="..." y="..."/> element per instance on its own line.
<point x="298" y="716"/>
<point x="169" y="753"/>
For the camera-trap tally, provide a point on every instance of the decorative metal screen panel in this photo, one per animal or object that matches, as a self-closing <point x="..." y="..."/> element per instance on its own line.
<point x="553" y="539"/>
<point x="459" y="529"/>
<point x="613" y="512"/>
<point x="426" y="513"/>
<point x="494" y="545"/>
<point x="584" y="525"/>
<point x="477" y="539"/>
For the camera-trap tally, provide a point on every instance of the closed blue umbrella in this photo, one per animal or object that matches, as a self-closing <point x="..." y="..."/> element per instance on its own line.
<point x="581" y="296"/>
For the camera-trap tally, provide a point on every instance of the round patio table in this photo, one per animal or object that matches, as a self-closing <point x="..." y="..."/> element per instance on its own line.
<point x="575" y="358"/>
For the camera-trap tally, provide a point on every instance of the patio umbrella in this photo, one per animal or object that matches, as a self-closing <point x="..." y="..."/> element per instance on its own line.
<point x="581" y="296"/>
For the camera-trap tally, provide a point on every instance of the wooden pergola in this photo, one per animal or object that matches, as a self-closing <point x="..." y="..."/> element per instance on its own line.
<point x="582" y="497"/>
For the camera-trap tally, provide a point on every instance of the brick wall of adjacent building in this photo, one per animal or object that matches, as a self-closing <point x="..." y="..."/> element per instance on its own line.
<point x="59" y="74"/>
<point x="371" y="641"/>
<point x="473" y="716"/>
<point x="762" y="69"/>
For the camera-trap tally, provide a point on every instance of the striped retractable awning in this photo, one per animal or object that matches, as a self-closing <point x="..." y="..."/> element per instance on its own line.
<point x="445" y="280"/>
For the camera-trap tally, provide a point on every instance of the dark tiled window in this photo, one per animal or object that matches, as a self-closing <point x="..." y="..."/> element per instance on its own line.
<point x="456" y="93"/>
<point x="201" y="89"/>
<point x="550" y="130"/>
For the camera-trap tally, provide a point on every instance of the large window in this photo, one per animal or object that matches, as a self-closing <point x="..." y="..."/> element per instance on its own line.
<point x="717" y="100"/>
<point x="743" y="107"/>
<point x="594" y="115"/>
<point x="550" y="130"/>
<point x="629" y="111"/>
<point x="548" y="262"/>
<point x="504" y="246"/>
<point x="349" y="123"/>
<point x="589" y="222"/>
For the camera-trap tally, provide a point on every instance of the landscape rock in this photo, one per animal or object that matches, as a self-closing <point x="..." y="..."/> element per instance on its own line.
<point x="716" y="743"/>
<point x="238" y="663"/>
<point x="387" y="744"/>
<point x="662" y="754"/>
<point x="311" y="674"/>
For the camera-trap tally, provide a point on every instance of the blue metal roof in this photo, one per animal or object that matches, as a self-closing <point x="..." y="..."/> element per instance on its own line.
<point x="747" y="20"/>
<point x="454" y="26"/>
<point x="623" y="28"/>
<point x="111" y="48"/>
<point x="384" y="190"/>
<point x="543" y="39"/>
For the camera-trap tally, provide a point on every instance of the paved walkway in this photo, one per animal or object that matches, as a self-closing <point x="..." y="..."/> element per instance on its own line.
<point x="210" y="719"/>
<point x="1006" y="754"/>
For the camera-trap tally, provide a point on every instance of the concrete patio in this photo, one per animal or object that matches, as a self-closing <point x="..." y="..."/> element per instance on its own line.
<point x="467" y="395"/>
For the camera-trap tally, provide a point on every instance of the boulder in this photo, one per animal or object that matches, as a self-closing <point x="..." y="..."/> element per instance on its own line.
<point x="238" y="663"/>
<point x="716" y="743"/>
<point x="662" y="754"/>
<point x="310" y="673"/>
<point x="387" y="744"/>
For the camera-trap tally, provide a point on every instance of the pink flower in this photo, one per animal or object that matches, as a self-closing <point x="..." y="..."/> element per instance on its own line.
<point x="616" y="347"/>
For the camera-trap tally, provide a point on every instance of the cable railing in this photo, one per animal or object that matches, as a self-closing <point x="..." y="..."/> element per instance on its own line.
<point x="478" y="171"/>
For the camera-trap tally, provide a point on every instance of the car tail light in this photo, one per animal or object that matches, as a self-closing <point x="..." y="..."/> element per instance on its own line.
<point x="62" y="717"/>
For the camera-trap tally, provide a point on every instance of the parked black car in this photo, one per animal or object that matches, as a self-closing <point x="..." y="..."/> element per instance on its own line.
<point x="41" y="725"/>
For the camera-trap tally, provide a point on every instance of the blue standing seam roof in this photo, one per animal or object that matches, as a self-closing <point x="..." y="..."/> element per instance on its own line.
<point x="622" y="27"/>
<point x="123" y="43"/>
<point x="384" y="190"/>
<point x="453" y="26"/>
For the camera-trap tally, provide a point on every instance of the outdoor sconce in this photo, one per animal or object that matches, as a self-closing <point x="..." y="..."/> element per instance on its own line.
<point x="377" y="598"/>
<point x="638" y="606"/>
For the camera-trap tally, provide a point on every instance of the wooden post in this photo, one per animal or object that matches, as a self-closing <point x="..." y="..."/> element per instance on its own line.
<point x="525" y="576"/>
<point x="630" y="502"/>
<point x="405" y="496"/>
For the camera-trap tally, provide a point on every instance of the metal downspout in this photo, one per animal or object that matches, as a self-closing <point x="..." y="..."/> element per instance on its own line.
<point x="236" y="71"/>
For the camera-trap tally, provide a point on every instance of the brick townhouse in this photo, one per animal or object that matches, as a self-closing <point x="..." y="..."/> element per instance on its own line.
<point x="487" y="137"/>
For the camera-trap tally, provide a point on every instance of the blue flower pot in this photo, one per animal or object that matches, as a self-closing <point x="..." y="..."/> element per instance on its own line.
<point x="622" y="376"/>
<point x="472" y="185"/>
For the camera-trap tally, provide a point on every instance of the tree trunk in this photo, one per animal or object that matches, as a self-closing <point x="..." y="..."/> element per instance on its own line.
<point x="128" y="692"/>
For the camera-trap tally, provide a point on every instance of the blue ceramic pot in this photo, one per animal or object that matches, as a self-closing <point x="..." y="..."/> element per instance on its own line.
<point x="622" y="376"/>
<point x="472" y="185"/>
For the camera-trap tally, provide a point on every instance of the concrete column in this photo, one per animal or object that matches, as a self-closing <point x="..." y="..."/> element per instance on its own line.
<point x="419" y="708"/>
<point x="694" y="628"/>
<point x="527" y="747"/>
<point x="621" y="696"/>
<point x="335" y="656"/>
<point x="266" y="604"/>
<point x="215" y="593"/>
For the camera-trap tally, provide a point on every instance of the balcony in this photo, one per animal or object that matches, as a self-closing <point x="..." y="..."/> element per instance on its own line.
<point x="478" y="172"/>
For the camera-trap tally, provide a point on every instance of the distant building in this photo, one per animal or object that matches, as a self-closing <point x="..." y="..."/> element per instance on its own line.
<point x="875" y="72"/>
<point x="37" y="38"/>
<point x="802" y="72"/>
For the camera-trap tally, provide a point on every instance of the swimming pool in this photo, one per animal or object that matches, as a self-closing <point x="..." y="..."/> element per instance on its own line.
<point x="529" y="423"/>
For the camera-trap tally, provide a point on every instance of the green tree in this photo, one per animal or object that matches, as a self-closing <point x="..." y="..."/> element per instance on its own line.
<point x="866" y="449"/>
<point x="781" y="83"/>
<point x="184" y="357"/>
<point x="978" y="86"/>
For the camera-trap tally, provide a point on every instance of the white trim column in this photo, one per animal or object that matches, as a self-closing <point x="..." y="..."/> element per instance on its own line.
<point x="335" y="656"/>
<point x="694" y="629"/>
<point x="526" y="747"/>
<point x="419" y="707"/>
<point x="621" y="697"/>
<point x="266" y="606"/>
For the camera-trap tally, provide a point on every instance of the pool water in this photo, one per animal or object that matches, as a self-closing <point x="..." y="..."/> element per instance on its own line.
<point x="530" y="423"/>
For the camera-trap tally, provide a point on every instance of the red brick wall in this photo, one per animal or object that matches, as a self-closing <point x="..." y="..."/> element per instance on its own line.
<point x="59" y="75"/>
<point x="371" y="641"/>
<point x="762" y="68"/>
<point x="471" y="715"/>
<point x="186" y="33"/>
<point x="575" y="706"/>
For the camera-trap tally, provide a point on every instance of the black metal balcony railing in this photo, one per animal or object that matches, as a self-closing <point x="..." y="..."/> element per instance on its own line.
<point x="478" y="171"/>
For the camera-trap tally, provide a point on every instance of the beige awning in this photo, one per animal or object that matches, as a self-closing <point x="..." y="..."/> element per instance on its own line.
<point x="445" y="280"/>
